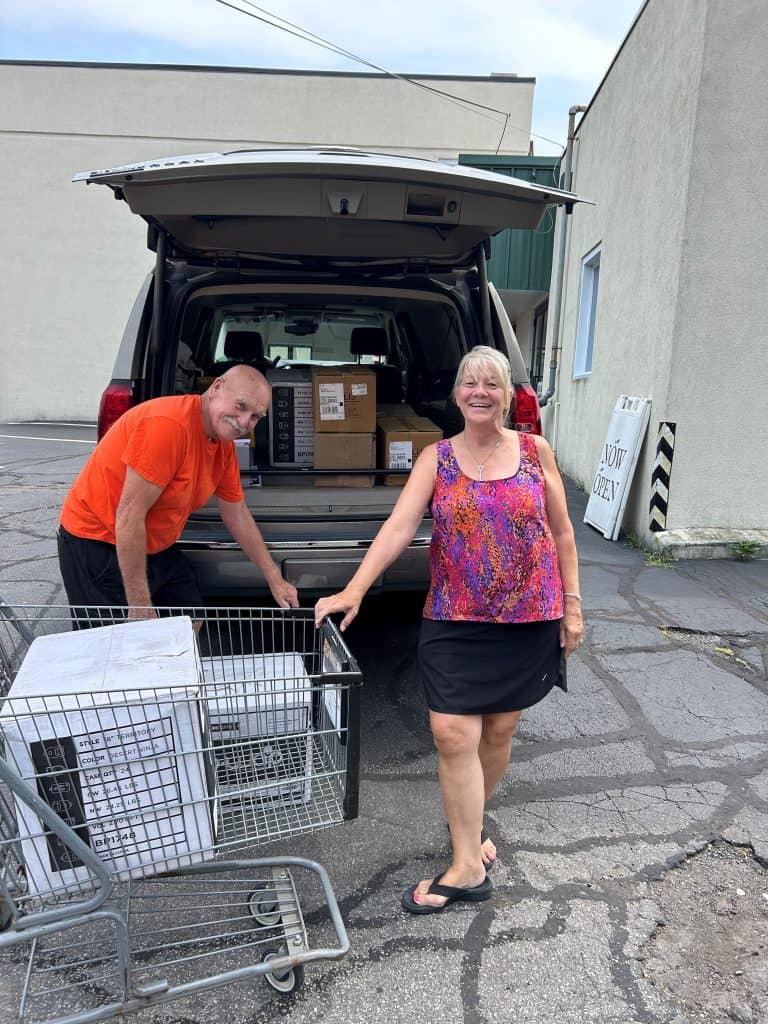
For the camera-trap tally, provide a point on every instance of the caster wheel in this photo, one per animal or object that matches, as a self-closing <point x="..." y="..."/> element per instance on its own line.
<point x="264" y="907"/>
<point x="286" y="981"/>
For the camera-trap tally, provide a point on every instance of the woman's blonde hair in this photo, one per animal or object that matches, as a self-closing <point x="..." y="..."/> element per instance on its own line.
<point x="483" y="357"/>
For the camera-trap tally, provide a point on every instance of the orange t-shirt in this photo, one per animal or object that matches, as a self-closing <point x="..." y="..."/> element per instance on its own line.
<point x="164" y="442"/>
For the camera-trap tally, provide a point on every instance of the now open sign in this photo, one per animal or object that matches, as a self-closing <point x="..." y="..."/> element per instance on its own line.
<point x="618" y="458"/>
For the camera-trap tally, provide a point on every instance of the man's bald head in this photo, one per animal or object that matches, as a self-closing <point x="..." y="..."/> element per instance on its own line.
<point x="235" y="402"/>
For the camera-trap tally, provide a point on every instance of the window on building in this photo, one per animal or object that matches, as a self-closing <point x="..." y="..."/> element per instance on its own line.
<point x="585" y="330"/>
<point x="539" y="344"/>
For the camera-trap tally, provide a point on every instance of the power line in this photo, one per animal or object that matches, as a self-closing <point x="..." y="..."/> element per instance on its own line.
<point x="275" y="21"/>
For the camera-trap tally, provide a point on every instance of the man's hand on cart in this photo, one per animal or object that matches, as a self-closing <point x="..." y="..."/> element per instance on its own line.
<point x="347" y="601"/>
<point x="284" y="593"/>
<point x="142" y="613"/>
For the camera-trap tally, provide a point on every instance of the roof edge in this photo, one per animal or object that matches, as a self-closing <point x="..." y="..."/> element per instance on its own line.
<point x="500" y="77"/>
<point x="608" y="70"/>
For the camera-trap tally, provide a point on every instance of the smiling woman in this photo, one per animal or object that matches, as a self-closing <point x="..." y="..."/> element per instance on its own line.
<point x="503" y="610"/>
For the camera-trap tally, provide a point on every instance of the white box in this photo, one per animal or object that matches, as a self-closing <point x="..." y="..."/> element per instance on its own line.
<point x="106" y="725"/>
<point x="291" y="429"/>
<point x="257" y="695"/>
<point x="243" y="452"/>
<point x="260" y="711"/>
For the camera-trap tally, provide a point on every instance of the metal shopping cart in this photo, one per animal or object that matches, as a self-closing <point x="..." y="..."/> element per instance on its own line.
<point x="237" y="727"/>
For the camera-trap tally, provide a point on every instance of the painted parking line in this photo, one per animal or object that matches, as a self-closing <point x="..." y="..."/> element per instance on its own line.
<point x="65" y="440"/>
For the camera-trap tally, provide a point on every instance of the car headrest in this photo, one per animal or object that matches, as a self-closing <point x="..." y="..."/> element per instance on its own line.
<point x="368" y="341"/>
<point x="243" y="346"/>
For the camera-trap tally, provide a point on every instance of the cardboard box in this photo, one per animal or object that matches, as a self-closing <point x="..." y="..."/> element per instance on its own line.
<point x="107" y="726"/>
<point x="345" y="451"/>
<point x="291" y="424"/>
<point x="344" y="399"/>
<point x="402" y="437"/>
<point x="260" y="711"/>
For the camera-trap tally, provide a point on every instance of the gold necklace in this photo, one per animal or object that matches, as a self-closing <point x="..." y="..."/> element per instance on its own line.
<point x="480" y="466"/>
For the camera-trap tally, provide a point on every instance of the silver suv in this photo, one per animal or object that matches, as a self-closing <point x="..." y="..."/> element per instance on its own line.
<point x="291" y="260"/>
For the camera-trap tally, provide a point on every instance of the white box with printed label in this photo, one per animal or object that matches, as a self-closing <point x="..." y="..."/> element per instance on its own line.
<point x="260" y="712"/>
<point x="107" y="726"/>
<point x="291" y="430"/>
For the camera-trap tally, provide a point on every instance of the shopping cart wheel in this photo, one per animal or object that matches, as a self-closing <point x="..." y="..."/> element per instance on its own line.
<point x="286" y="981"/>
<point x="264" y="907"/>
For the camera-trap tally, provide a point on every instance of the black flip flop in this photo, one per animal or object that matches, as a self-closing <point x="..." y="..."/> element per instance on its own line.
<point x="475" y="894"/>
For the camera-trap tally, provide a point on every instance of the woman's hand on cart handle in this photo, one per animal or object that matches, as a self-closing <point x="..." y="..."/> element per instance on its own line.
<point x="346" y="601"/>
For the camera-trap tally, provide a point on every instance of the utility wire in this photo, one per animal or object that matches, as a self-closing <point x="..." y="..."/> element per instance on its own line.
<point x="326" y="44"/>
<point x="275" y="21"/>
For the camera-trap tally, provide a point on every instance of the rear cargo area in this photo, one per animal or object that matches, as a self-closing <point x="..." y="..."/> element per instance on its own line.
<point x="361" y="382"/>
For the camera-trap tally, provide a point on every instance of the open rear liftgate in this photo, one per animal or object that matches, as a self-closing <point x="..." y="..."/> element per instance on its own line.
<point x="116" y="807"/>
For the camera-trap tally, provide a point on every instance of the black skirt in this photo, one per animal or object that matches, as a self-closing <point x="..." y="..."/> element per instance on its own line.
<point x="484" y="668"/>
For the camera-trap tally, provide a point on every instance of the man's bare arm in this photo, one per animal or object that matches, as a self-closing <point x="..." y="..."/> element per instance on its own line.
<point x="239" y="521"/>
<point x="137" y="499"/>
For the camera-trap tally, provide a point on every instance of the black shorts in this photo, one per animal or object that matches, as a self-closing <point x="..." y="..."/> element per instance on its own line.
<point x="92" y="577"/>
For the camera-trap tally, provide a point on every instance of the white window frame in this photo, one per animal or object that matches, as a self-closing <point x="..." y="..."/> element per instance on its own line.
<point x="585" y="328"/>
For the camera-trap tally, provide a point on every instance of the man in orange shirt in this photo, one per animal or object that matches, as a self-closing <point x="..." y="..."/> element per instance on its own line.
<point x="158" y="463"/>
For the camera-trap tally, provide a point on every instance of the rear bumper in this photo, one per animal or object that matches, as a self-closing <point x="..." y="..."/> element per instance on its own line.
<point x="222" y="569"/>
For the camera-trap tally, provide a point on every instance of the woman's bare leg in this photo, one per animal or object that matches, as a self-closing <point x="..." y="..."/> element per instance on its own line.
<point x="494" y="751"/>
<point x="457" y="738"/>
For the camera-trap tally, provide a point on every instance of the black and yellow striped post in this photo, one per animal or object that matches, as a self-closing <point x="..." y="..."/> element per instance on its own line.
<point x="662" y="471"/>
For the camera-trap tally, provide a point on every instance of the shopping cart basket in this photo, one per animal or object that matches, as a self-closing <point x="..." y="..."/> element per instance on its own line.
<point x="116" y="803"/>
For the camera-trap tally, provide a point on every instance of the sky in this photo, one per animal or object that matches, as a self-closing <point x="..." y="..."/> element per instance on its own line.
<point x="567" y="45"/>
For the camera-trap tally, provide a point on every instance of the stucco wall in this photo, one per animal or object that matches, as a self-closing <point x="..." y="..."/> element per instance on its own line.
<point x="74" y="258"/>
<point x="632" y="157"/>
<point x="719" y="377"/>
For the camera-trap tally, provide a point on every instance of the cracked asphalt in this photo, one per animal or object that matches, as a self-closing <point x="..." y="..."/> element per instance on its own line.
<point x="634" y="812"/>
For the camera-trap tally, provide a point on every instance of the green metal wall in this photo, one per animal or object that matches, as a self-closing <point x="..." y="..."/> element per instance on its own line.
<point x="521" y="259"/>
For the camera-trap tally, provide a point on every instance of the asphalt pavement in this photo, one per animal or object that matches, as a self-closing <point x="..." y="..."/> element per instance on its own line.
<point x="651" y="771"/>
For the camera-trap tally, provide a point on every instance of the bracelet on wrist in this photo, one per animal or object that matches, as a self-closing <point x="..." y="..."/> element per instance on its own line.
<point x="573" y="594"/>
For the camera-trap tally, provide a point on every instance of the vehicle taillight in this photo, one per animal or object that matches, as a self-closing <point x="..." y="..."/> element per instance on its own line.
<point x="117" y="399"/>
<point x="526" y="414"/>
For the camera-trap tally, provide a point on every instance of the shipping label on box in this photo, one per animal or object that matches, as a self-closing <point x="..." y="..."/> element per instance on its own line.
<point x="134" y="771"/>
<point x="344" y="399"/>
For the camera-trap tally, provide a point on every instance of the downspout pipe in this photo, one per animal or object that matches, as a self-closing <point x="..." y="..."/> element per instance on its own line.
<point x="558" y="298"/>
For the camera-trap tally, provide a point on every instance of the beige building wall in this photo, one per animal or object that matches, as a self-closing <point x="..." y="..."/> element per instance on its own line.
<point x="665" y="151"/>
<point x="719" y="376"/>
<point x="74" y="258"/>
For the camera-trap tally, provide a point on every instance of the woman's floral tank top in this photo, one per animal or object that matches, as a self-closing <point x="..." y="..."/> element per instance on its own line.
<point x="492" y="557"/>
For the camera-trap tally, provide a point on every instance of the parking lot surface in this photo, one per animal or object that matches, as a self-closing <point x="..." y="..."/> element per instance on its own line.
<point x="632" y="825"/>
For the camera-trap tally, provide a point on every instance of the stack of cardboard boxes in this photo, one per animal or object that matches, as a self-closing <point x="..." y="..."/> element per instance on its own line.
<point x="326" y="417"/>
<point x="344" y="407"/>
